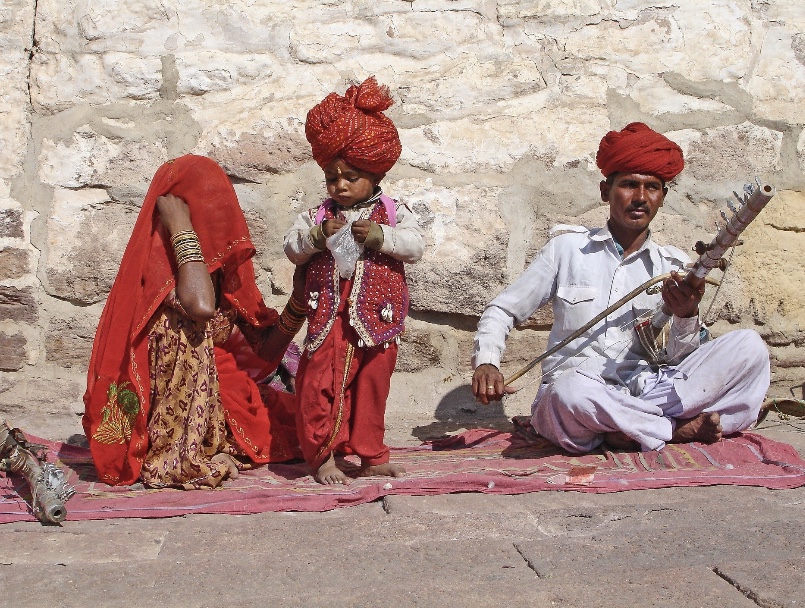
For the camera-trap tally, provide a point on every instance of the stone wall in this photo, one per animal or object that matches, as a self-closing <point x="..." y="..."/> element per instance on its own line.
<point x="500" y="105"/>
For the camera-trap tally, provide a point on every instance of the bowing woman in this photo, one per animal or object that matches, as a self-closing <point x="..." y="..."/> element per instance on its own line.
<point x="172" y="396"/>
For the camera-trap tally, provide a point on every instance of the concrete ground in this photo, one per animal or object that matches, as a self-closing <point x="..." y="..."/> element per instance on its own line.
<point x="687" y="547"/>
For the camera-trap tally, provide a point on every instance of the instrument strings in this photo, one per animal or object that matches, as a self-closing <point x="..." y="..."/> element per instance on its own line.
<point x="537" y="378"/>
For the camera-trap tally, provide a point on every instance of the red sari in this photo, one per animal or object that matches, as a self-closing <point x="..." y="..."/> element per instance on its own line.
<point x="118" y="396"/>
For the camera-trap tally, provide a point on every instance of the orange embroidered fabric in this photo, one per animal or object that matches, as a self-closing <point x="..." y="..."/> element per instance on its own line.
<point x="117" y="399"/>
<point x="639" y="149"/>
<point x="354" y="128"/>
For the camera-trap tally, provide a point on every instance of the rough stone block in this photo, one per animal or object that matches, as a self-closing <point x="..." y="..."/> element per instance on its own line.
<point x="465" y="247"/>
<point x="668" y="31"/>
<point x="18" y="305"/>
<point x="801" y="151"/>
<point x="418" y="351"/>
<point x="733" y="153"/>
<point x="14" y="109"/>
<point x="90" y="159"/>
<point x="87" y="235"/>
<point x="777" y="85"/>
<point x="12" y="351"/>
<point x="657" y="98"/>
<point x="496" y="143"/>
<point x="202" y="72"/>
<point x="777" y="238"/>
<point x="248" y="155"/>
<point x="11" y="225"/>
<point x="69" y="341"/>
<point x="546" y="9"/>
<point x="14" y="263"/>
<point x="60" y="82"/>
<point x="471" y="86"/>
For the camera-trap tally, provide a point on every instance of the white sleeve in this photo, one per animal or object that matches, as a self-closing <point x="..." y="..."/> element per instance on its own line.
<point x="514" y="305"/>
<point x="298" y="245"/>
<point x="685" y="337"/>
<point x="404" y="241"/>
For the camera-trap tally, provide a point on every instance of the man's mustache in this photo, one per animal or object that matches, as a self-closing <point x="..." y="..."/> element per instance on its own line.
<point x="637" y="207"/>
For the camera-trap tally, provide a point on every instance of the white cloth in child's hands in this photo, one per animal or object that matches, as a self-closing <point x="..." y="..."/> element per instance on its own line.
<point x="345" y="249"/>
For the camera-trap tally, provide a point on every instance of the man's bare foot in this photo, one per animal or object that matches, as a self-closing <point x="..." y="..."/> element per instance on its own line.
<point x="387" y="469"/>
<point x="330" y="474"/>
<point x="705" y="428"/>
<point x="620" y="441"/>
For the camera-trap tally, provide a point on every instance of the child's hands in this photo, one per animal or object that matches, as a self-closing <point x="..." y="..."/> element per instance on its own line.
<point x="360" y="230"/>
<point x="330" y="227"/>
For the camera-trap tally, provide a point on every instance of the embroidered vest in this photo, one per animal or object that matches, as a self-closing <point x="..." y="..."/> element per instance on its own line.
<point x="378" y="300"/>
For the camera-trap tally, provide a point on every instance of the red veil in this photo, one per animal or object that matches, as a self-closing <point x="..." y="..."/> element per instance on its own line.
<point x="118" y="380"/>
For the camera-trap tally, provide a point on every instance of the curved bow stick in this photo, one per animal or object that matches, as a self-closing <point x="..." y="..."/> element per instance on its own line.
<point x="753" y="201"/>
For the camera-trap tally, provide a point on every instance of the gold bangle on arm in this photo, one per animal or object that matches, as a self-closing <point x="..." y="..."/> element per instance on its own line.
<point x="186" y="247"/>
<point x="292" y="318"/>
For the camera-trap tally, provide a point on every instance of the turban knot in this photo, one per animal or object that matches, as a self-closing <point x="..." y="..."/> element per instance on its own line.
<point x="639" y="149"/>
<point x="354" y="128"/>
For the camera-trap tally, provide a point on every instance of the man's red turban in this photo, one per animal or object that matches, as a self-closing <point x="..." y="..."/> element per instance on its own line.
<point x="354" y="128"/>
<point x="639" y="149"/>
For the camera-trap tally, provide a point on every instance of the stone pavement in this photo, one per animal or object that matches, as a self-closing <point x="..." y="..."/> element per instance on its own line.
<point x="687" y="547"/>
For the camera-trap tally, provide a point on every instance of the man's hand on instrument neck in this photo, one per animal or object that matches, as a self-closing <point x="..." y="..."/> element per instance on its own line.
<point x="680" y="298"/>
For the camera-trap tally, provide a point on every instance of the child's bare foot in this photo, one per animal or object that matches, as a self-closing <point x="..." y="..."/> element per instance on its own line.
<point x="387" y="469"/>
<point x="330" y="474"/>
<point x="704" y="427"/>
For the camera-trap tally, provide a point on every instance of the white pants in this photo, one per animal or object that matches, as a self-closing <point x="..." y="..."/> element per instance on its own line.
<point x="729" y="375"/>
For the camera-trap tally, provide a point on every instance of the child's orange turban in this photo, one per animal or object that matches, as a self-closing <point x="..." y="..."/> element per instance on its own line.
<point x="354" y="129"/>
<point x="639" y="149"/>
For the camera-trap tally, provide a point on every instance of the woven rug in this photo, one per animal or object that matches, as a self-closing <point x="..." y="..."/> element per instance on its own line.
<point x="480" y="460"/>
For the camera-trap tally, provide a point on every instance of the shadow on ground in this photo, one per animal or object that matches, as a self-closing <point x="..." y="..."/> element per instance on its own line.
<point x="458" y="410"/>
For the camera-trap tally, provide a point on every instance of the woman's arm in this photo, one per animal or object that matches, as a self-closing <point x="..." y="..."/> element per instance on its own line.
<point x="271" y="343"/>
<point x="194" y="288"/>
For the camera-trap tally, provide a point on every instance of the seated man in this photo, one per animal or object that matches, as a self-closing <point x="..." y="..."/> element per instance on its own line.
<point x="603" y="386"/>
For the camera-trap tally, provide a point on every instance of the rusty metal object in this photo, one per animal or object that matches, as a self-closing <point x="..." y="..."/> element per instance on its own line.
<point x="49" y="490"/>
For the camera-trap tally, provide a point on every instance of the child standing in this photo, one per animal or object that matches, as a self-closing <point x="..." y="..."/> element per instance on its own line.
<point x="354" y="323"/>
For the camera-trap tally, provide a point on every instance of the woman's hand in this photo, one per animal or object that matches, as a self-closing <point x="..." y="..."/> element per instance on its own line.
<point x="174" y="214"/>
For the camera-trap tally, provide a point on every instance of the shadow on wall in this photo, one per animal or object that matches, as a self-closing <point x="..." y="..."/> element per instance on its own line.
<point x="458" y="410"/>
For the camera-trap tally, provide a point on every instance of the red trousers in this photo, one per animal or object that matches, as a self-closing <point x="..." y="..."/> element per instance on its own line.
<point x="341" y="394"/>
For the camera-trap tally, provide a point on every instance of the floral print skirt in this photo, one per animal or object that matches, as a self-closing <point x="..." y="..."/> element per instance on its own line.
<point x="186" y="426"/>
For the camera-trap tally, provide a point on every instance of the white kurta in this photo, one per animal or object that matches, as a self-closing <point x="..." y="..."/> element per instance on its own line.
<point x="602" y="381"/>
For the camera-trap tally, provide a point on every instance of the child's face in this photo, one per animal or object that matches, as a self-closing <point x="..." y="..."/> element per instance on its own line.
<point x="347" y="185"/>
